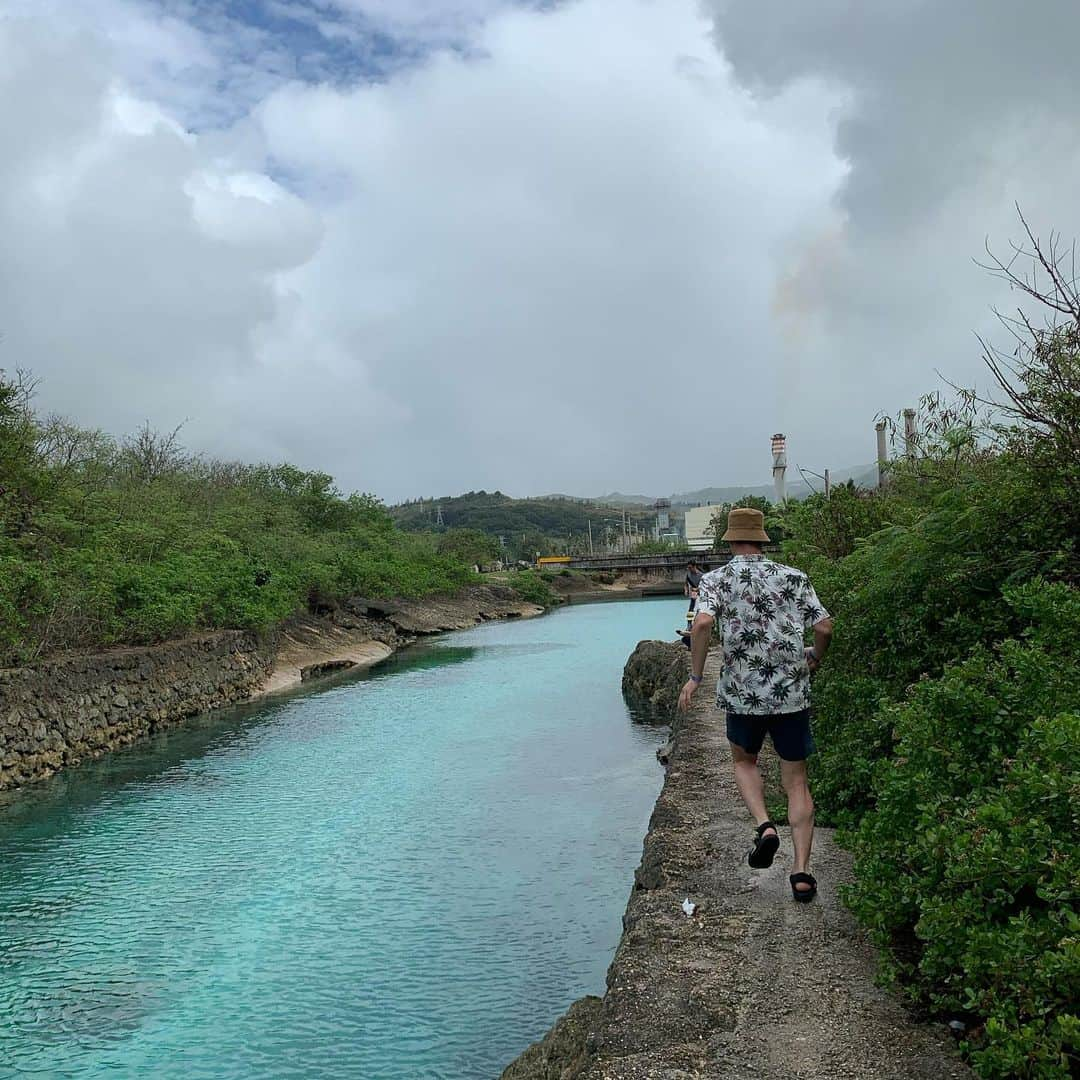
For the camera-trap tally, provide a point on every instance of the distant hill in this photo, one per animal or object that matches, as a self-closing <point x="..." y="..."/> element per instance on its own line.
<point x="617" y="498"/>
<point x="557" y="523"/>
<point x="797" y="488"/>
<point x="529" y="525"/>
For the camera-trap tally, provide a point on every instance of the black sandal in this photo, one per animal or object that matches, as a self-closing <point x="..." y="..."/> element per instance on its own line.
<point x="803" y="896"/>
<point x="765" y="847"/>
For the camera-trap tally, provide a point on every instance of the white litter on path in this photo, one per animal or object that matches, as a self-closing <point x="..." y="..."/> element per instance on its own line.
<point x="689" y="906"/>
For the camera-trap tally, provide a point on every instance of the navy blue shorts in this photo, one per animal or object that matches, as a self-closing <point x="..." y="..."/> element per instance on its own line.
<point x="790" y="733"/>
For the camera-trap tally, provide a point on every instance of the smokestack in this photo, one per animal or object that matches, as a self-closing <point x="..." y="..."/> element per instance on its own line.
<point x="779" y="465"/>
<point x="882" y="454"/>
<point x="909" y="433"/>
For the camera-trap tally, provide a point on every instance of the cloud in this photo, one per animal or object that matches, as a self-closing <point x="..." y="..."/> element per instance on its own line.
<point x="136" y="269"/>
<point x="545" y="262"/>
<point x="581" y="245"/>
<point x="951" y="113"/>
<point x="552" y="252"/>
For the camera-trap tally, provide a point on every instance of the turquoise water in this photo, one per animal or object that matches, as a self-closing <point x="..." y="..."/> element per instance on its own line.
<point x="409" y="874"/>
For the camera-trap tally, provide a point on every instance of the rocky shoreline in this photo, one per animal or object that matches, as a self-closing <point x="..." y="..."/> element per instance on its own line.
<point x="73" y="708"/>
<point x="746" y="985"/>
<point x="360" y="633"/>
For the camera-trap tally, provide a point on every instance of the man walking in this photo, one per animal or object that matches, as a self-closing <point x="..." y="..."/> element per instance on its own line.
<point x="764" y="609"/>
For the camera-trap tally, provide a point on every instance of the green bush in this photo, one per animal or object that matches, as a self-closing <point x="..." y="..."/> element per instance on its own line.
<point x="972" y="888"/>
<point x="468" y="546"/>
<point x="104" y="543"/>
<point x="535" y="588"/>
<point x="947" y="714"/>
<point x="912" y="598"/>
<point x="961" y="791"/>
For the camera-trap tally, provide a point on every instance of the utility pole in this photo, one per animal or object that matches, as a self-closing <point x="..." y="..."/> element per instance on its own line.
<point x="438" y="517"/>
<point x="882" y="453"/>
<point x="590" y="537"/>
<point x="828" y="485"/>
<point x="909" y="434"/>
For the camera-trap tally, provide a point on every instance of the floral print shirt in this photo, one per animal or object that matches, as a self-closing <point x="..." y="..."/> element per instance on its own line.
<point x="763" y="610"/>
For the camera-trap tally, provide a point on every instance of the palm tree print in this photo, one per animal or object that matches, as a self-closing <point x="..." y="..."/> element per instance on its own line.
<point x="762" y="608"/>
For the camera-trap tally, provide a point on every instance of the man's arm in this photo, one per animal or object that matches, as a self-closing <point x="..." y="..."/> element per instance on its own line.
<point x="822" y="637"/>
<point x="700" y="633"/>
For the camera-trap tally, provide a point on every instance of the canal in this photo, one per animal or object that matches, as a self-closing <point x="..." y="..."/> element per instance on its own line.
<point x="407" y="874"/>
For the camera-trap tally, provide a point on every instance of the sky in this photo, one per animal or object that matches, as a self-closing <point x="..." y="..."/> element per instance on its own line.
<point x="577" y="246"/>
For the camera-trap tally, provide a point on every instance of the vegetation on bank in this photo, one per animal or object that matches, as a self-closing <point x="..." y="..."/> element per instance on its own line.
<point x="536" y="588"/>
<point x="550" y="526"/>
<point x="948" y="714"/>
<point x="105" y="542"/>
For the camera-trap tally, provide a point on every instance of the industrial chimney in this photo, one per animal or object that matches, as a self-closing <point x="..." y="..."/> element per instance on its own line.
<point x="779" y="465"/>
<point x="882" y="453"/>
<point x="909" y="433"/>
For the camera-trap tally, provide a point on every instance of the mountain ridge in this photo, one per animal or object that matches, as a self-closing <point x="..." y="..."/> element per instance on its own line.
<point x="797" y="488"/>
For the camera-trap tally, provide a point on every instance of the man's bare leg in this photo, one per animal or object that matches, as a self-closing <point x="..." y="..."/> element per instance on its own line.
<point x="800" y="814"/>
<point x="750" y="784"/>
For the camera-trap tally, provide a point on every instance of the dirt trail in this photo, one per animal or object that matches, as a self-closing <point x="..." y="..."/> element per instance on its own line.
<point x="752" y="985"/>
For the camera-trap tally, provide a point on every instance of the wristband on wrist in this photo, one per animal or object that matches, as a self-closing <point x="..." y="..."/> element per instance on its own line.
<point x="696" y="678"/>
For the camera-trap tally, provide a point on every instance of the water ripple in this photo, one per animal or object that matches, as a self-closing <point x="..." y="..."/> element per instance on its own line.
<point x="405" y="875"/>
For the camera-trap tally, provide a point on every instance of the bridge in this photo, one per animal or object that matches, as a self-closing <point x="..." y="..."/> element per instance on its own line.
<point x="671" y="564"/>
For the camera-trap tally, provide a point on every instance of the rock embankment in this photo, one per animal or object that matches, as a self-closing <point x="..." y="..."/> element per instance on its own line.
<point x="58" y="713"/>
<point x="653" y="677"/>
<point x="65" y="710"/>
<point x="360" y="633"/>
<point x="750" y="985"/>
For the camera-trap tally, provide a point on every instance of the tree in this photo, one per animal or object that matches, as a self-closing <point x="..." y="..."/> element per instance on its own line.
<point x="149" y="455"/>
<point x="22" y="478"/>
<point x="1040" y="378"/>
<point x="469" y="546"/>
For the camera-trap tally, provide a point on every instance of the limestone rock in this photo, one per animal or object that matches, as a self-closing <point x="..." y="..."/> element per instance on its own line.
<point x="327" y="667"/>
<point x="653" y="677"/>
<point x="561" y="1054"/>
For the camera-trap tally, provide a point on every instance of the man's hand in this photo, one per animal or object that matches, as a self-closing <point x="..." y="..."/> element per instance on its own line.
<point x="687" y="695"/>
<point x="822" y="637"/>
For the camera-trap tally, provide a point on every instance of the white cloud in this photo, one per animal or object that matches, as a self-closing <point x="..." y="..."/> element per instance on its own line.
<point x="549" y="265"/>
<point x="952" y="112"/>
<point x="136" y="270"/>
<point x="544" y="251"/>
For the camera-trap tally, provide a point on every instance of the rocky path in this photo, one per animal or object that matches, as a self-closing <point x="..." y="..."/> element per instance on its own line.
<point x="751" y="985"/>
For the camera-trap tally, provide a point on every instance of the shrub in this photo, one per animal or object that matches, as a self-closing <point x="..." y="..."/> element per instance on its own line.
<point x="534" y="588"/>
<point x="948" y="711"/>
<point x="911" y="599"/>
<point x="972" y="890"/>
<point x="103" y="543"/>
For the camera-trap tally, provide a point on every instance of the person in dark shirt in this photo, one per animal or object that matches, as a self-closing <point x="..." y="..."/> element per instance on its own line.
<point x="690" y="589"/>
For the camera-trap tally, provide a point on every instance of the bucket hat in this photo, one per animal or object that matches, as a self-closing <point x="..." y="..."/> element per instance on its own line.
<point x="747" y="525"/>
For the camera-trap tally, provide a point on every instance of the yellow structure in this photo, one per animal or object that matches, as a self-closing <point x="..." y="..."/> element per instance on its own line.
<point x="553" y="560"/>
